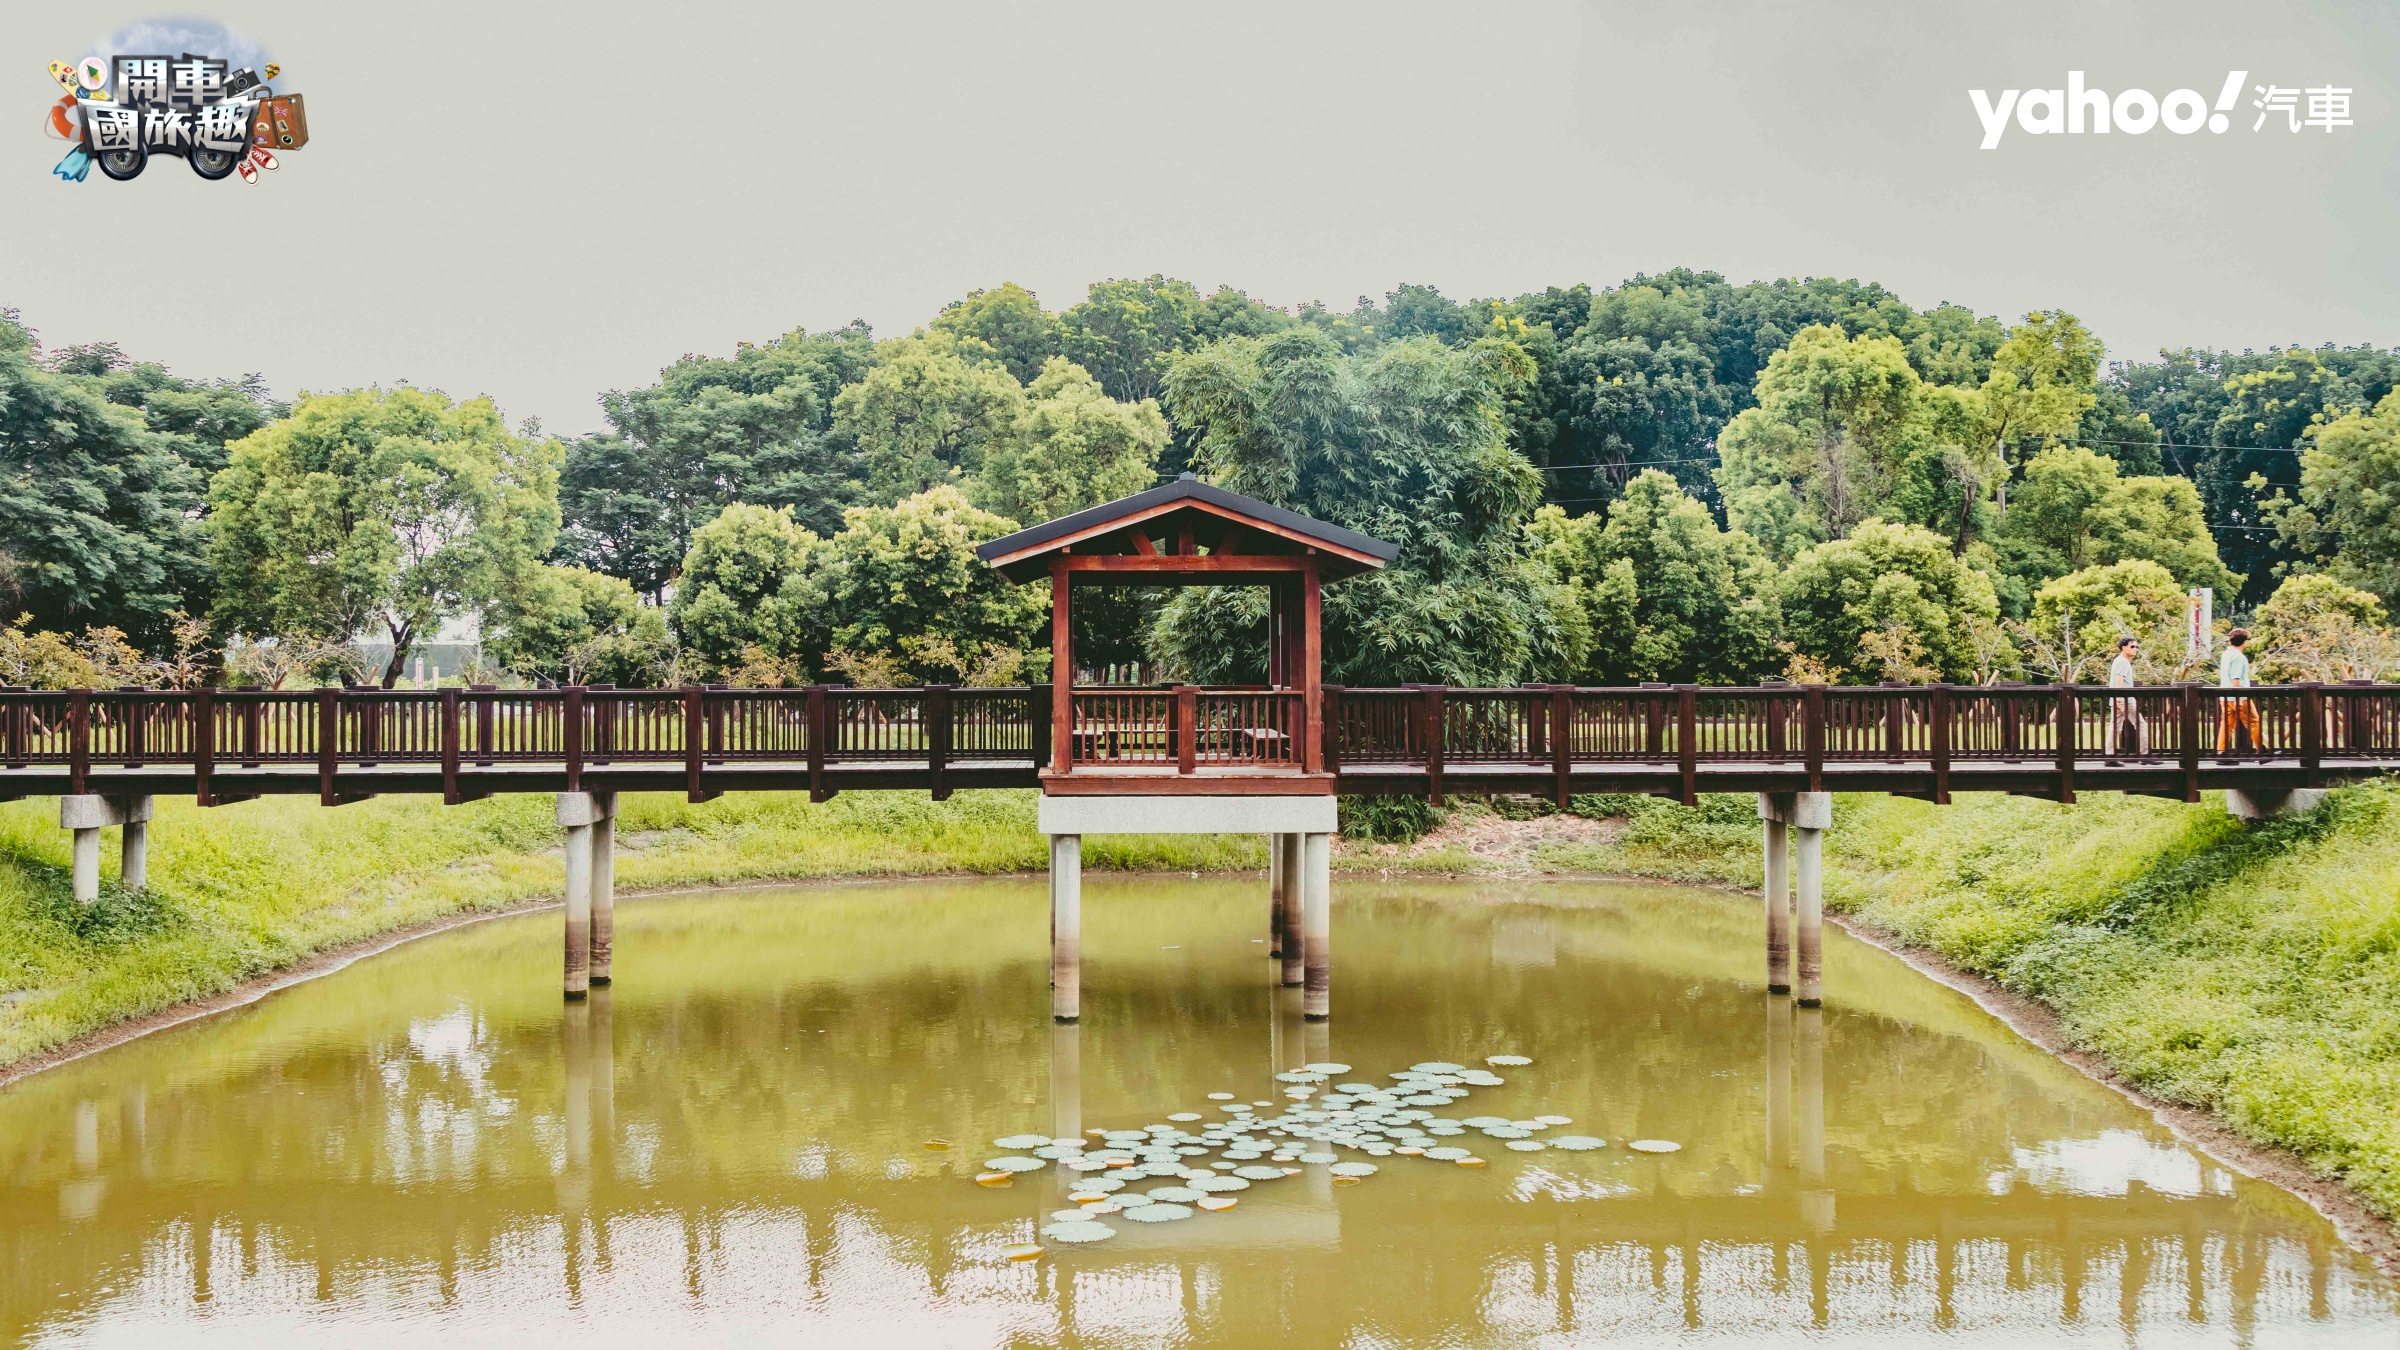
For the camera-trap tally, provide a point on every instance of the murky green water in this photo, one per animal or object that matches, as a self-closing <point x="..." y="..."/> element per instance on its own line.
<point x="728" y="1148"/>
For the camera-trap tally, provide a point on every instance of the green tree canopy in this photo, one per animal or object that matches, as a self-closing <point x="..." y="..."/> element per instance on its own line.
<point x="1072" y="446"/>
<point x="926" y="415"/>
<point x="1829" y="442"/>
<point x="389" y="509"/>
<point x="1127" y="333"/>
<point x="743" y="587"/>
<point x="97" y="508"/>
<point x="2074" y="510"/>
<point x="902" y="582"/>
<point x="2078" y="618"/>
<point x="1894" y="581"/>
<point x="1671" y="597"/>
<point x="571" y="625"/>
<point x="751" y="427"/>
<point x="1405" y="444"/>
<point x="2347" y="516"/>
<point x="1008" y="320"/>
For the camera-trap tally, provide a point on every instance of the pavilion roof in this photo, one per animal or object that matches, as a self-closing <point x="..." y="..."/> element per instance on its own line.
<point x="1227" y="524"/>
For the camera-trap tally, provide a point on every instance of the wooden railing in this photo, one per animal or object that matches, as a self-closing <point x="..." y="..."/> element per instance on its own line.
<point x="1929" y="729"/>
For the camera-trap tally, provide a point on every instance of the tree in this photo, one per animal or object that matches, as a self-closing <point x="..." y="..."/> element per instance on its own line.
<point x="744" y="586"/>
<point x="2347" y="516"/>
<point x="1828" y="443"/>
<point x="1072" y="446"/>
<point x="926" y="415"/>
<point x="1406" y="444"/>
<point x="1881" y="579"/>
<point x="200" y="417"/>
<point x="2078" y="618"/>
<point x="713" y="430"/>
<point x="2316" y="628"/>
<point x="1671" y="596"/>
<point x="903" y="582"/>
<point x="2073" y="510"/>
<point x="1011" y="322"/>
<point x="1127" y="333"/>
<point x="389" y="508"/>
<point x="576" y="626"/>
<point x="97" y="508"/>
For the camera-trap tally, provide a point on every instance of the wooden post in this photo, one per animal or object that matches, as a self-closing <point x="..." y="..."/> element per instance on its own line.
<point x="1277" y="651"/>
<point x="937" y="738"/>
<point x="2190" y="731"/>
<point x="1432" y="719"/>
<point x="1316" y="1003"/>
<point x="820" y="730"/>
<point x="79" y="741"/>
<point x="1939" y="733"/>
<point x="1312" y="661"/>
<point x="571" y="734"/>
<point x="134" y="711"/>
<point x="1066" y="927"/>
<point x="1812" y="734"/>
<point x="1687" y="743"/>
<point x="483" y="726"/>
<point x="204" y="745"/>
<point x="1062" y="667"/>
<point x="1330" y="735"/>
<point x="450" y="795"/>
<point x="2068" y="704"/>
<point x="694" y="734"/>
<point x="2312" y="733"/>
<point x="1562" y="764"/>
<point x="329" y="735"/>
<point x="1187" y="728"/>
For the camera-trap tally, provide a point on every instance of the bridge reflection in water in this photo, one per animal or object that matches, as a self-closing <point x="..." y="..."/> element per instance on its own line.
<point x="428" y="1144"/>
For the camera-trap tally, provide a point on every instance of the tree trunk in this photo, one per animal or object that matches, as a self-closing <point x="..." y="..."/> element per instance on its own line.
<point x="403" y="636"/>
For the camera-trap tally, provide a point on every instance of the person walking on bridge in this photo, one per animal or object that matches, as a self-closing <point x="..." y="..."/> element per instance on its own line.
<point x="2126" y="726"/>
<point x="2237" y="718"/>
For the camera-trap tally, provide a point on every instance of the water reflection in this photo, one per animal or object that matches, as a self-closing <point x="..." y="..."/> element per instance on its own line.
<point x="729" y="1142"/>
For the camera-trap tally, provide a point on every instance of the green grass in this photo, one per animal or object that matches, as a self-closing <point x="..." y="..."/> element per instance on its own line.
<point x="2253" y="970"/>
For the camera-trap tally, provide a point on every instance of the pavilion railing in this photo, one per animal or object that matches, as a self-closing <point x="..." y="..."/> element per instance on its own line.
<point x="1187" y="729"/>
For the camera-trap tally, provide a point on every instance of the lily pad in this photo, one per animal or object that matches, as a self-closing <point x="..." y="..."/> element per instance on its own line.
<point x="1066" y="1216"/>
<point x="1023" y="1141"/>
<point x="1220" y="1184"/>
<point x="1159" y="1213"/>
<point x="1218" y="1202"/>
<point x="1326" y="1068"/>
<point x="1012" y="1164"/>
<point x="1527" y="1145"/>
<point x="1578" y="1143"/>
<point x="1554" y="1120"/>
<point x="1220" y="1096"/>
<point x="1507" y="1061"/>
<point x="1505" y="1132"/>
<point x="1132" y="1201"/>
<point x="1320" y="1157"/>
<point x="1185" y="1115"/>
<point x="1025" y="1251"/>
<point x="1259" y="1173"/>
<point x="1437" y="1066"/>
<point x="1175" y="1195"/>
<point x="937" y="1145"/>
<point x="1082" y="1230"/>
<point x="1655" y="1146"/>
<point x="1447" y="1154"/>
<point x="1353" y="1169"/>
<point x="995" y="1178"/>
<point x="1485" y="1122"/>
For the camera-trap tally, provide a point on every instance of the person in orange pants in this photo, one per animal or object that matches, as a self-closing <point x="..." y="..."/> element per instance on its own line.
<point x="2237" y="718"/>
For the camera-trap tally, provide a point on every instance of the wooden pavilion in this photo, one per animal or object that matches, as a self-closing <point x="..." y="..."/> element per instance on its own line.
<point x="1187" y="760"/>
<point x="1221" y="741"/>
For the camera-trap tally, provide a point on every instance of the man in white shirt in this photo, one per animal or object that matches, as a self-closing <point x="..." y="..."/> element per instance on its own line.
<point x="2237" y="718"/>
<point x="2126" y="726"/>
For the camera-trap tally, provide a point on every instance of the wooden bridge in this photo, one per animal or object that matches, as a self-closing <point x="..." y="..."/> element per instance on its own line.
<point x="1268" y="759"/>
<point x="1924" y="741"/>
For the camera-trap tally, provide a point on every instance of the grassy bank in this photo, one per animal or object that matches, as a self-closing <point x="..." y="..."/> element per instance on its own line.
<point x="2250" y="970"/>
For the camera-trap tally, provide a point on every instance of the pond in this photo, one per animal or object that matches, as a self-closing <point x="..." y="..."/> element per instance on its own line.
<point x="730" y="1146"/>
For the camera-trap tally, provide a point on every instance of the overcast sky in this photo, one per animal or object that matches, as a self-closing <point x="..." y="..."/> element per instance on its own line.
<point x="542" y="202"/>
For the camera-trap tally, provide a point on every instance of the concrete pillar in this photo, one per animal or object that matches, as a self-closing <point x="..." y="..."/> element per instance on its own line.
<point x="133" y="855"/>
<point x="1275" y="896"/>
<point x="2262" y="803"/>
<point x="1779" y="905"/>
<point x="604" y="884"/>
<point x="579" y="813"/>
<point x="88" y="814"/>
<point x="1810" y="857"/>
<point x="1316" y="879"/>
<point x="1066" y="927"/>
<point x="1810" y="814"/>
<point x="1295" y="923"/>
